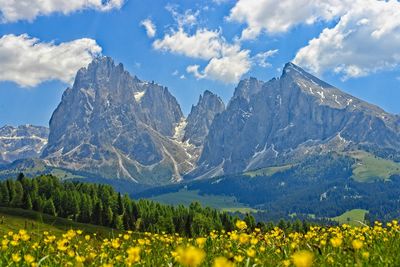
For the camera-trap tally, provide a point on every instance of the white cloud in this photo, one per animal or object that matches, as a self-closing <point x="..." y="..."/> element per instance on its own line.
<point x="182" y="77"/>
<point x="226" y="62"/>
<point x="279" y="16"/>
<point x="175" y="73"/>
<point x="203" y="44"/>
<point x="228" y="69"/>
<point x="187" y="19"/>
<point x="261" y="58"/>
<point x="365" y="40"/>
<point x="150" y="27"/>
<point x="28" y="62"/>
<point x="15" y="10"/>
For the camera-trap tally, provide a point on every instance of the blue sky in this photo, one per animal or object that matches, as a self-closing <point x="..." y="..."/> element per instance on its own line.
<point x="351" y="48"/>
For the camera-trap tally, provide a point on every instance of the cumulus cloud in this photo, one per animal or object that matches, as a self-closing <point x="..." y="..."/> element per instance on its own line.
<point x="279" y="16"/>
<point x="203" y="44"/>
<point x="226" y="62"/>
<point x="27" y="61"/>
<point x="365" y="40"/>
<point x="149" y="27"/>
<point x="15" y="10"/>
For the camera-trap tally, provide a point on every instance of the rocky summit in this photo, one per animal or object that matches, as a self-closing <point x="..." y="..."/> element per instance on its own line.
<point x="117" y="126"/>
<point x="286" y="119"/>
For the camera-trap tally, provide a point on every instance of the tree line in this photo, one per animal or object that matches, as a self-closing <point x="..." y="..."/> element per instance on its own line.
<point x="101" y="205"/>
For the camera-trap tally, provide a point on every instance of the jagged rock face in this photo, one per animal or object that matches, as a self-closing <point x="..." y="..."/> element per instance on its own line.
<point x="287" y="118"/>
<point x="116" y="125"/>
<point x="201" y="117"/>
<point x="25" y="141"/>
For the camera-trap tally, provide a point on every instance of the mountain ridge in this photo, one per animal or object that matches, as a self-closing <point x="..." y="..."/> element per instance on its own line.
<point x="114" y="125"/>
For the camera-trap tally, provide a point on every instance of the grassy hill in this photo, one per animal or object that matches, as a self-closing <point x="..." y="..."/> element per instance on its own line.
<point x="352" y="217"/>
<point x="12" y="219"/>
<point x="268" y="171"/>
<point x="369" y="168"/>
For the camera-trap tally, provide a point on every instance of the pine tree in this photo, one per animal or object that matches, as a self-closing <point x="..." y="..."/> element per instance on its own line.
<point x="4" y="195"/>
<point x="49" y="207"/>
<point x="27" y="202"/>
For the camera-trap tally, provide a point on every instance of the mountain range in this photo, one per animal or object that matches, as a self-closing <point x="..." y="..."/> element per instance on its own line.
<point x="113" y="125"/>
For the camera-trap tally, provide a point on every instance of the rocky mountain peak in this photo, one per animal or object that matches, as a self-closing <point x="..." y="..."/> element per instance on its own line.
<point x="201" y="117"/>
<point x="115" y="125"/>
<point x="283" y="120"/>
<point x="248" y="87"/>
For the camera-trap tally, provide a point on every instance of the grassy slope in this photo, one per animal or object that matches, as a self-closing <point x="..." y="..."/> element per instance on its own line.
<point x="352" y="217"/>
<point x="268" y="171"/>
<point x="14" y="219"/>
<point x="369" y="167"/>
<point x="186" y="197"/>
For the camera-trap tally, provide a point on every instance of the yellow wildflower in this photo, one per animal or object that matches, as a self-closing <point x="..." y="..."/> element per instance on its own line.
<point x="303" y="259"/>
<point x="222" y="262"/>
<point x="190" y="256"/>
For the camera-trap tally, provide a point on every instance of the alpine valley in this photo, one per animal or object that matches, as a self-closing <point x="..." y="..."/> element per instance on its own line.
<point x="291" y="146"/>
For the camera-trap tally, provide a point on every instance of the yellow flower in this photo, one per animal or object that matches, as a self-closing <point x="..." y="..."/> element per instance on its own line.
<point x="336" y="242"/>
<point x="357" y="244"/>
<point x="29" y="258"/>
<point x="365" y="255"/>
<point x="133" y="255"/>
<point x="115" y="243"/>
<point x="251" y="252"/>
<point x="16" y="257"/>
<point x="241" y="225"/>
<point x="190" y="256"/>
<point x="222" y="262"/>
<point x="87" y="237"/>
<point x="201" y="241"/>
<point x="80" y="259"/>
<point x="303" y="258"/>
<point x="62" y="245"/>
<point x="243" y="238"/>
<point x="239" y="258"/>
<point x="286" y="263"/>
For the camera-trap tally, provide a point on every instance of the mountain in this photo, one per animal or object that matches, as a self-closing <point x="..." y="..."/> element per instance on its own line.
<point x="287" y="119"/>
<point x="117" y="126"/>
<point x="201" y="116"/>
<point x="25" y="141"/>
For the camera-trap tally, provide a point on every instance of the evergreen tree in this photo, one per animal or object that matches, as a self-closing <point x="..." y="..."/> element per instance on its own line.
<point x="49" y="207"/>
<point x="4" y="195"/>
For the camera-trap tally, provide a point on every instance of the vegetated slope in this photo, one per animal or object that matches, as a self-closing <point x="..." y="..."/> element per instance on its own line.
<point x="101" y="205"/>
<point x="321" y="185"/>
<point x="14" y="219"/>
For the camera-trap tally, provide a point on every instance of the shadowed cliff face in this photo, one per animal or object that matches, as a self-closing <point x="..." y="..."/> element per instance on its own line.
<point x="201" y="117"/>
<point x="116" y="125"/>
<point x="286" y="119"/>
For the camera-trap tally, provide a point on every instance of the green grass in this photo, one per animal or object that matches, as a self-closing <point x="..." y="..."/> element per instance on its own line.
<point x="186" y="197"/>
<point x="12" y="219"/>
<point x="369" y="168"/>
<point x="352" y="217"/>
<point x="268" y="171"/>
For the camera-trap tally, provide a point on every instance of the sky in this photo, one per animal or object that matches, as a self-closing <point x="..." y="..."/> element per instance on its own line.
<point x="191" y="46"/>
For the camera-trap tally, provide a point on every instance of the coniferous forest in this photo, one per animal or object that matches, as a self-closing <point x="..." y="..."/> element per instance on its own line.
<point x="101" y="205"/>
